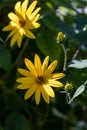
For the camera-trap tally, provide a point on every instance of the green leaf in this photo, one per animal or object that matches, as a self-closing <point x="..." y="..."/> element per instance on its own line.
<point x="78" y="92"/>
<point x="79" y="64"/>
<point x="54" y="23"/>
<point x="5" y="58"/>
<point x="16" y="121"/>
<point x="46" y="42"/>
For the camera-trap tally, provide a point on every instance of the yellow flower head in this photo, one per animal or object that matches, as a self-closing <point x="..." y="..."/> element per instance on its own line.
<point x="60" y="37"/>
<point x="22" y="21"/>
<point x="39" y="79"/>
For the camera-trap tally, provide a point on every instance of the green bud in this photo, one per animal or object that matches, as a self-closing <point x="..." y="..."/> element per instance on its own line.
<point x="68" y="86"/>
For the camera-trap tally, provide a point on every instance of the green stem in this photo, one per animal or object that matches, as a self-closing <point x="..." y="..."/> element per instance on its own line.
<point x="65" y="57"/>
<point x="18" y="58"/>
<point x="20" y="54"/>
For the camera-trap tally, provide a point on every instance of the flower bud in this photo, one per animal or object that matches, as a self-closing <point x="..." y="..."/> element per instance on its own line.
<point x="60" y="37"/>
<point x="68" y="86"/>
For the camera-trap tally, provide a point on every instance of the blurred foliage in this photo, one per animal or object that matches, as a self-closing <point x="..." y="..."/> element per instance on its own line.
<point x="70" y="17"/>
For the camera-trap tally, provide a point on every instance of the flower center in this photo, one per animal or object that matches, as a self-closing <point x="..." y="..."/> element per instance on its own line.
<point x="22" y="23"/>
<point x="40" y="80"/>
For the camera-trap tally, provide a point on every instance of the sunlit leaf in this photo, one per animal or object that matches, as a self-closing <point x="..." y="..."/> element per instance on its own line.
<point x="78" y="92"/>
<point x="79" y="64"/>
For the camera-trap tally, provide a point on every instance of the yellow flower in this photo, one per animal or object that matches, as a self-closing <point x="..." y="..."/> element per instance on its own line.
<point x="39" y="79"/>
<point x="22" y="21"/>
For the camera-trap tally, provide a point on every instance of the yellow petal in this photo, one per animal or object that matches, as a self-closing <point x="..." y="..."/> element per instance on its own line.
<point x="29" y="34"/>
<point x="37" y="63"/>
<point x="21" y="31"/>
<point x="36" y="25"/>
<point x="49" y="90"/>
<point x="37" y="96"/>
<point x="58" y="75"/>
<point x="23" y="86"/>
<point x="13" y="40"/>
<point x="24" y="80"/>
<point x="24" y="72"/>
<point x="14" y="24"/>
<point x="31" y="8"/>
<point x="36" y="17"/>
<point x="24" y="8"/>
<point x="19" y="39"/>
<point x="45" y="96"/>
<point x="54" y="83"/>
<point x="31" y="17"/>
<point x="45" y="63"/>
<point x="13" y="17"/>
<point x="7" y="28"/>
<point x="18" y="7"/>
<point x="51" y="68"/>
<point x="12" y="33"/>
<point x="30" y="66"/>
<point x="30" y="91"/>
<point x="29" y="25"/>
<point x="24" y="5"/>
